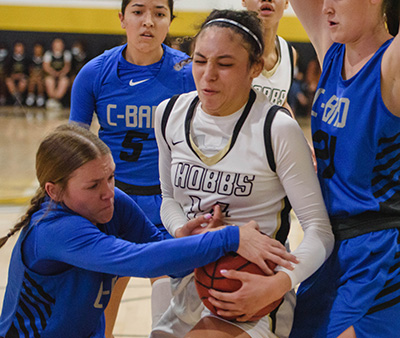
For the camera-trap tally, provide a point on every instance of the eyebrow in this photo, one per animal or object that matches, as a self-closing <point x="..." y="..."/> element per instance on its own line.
<point x="224" y="56"/>
<point x="157" y="7"/>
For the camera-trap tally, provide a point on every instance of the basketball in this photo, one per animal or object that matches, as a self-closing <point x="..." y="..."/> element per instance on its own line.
<point x="209" y="277"/>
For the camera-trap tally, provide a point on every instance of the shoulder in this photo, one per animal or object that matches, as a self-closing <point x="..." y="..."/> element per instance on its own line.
<point x="180" y="61"/>
<point x="334" y="50"/>
<point x="124" y="205"/>
<point x="175" y="54"/>
<point x="93" y="68"/>
<point x="67" y="55"/>
<point x="183" y="100"/>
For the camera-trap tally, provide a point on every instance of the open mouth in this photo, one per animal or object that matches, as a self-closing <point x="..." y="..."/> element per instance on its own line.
<point x="147" y="35"/>
<point x="266" y="8"/>
<point x="332" y="24"/>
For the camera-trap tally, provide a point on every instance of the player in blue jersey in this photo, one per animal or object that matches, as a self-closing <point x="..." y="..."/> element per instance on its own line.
<point x="80" y="234"/>
<point x="356" y="136"/>
<point x="123" y="86"/>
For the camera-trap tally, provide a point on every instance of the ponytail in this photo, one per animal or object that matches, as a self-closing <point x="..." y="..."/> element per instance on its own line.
<point x="392" y="12"/>
<point x="36" y="202"/>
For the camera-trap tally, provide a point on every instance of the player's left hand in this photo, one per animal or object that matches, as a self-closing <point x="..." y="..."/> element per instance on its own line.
<point x="255" y="293"/>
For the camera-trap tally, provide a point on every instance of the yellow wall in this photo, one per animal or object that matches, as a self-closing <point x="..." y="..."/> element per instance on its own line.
<point x="105" y="21"/>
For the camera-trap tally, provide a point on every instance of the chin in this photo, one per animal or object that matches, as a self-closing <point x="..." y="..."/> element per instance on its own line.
<point x="106" y="217"/>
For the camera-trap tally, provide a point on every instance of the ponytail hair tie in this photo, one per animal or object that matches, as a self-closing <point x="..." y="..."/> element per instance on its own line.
<point x="9" y="235"/>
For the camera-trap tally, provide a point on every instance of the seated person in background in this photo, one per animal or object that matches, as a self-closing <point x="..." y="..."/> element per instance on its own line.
<point x="36" y="78"/>
<point x="57" y="65"/>
<point x="16" y="68"/>
<point x="79" y="58"/>
<point x="3" y="88"/>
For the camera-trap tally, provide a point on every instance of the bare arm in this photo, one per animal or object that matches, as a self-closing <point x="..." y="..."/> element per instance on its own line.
<point x="391" y="77"/>
<point x="47" y="68"/>
<point x="310" y="14"/>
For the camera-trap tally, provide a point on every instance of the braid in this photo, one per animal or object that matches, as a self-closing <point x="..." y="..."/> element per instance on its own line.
<point x="36" y="202"/>
<point x="392" y="11"/>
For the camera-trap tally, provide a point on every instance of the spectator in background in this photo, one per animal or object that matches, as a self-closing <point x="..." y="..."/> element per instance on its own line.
<point x="313" y="72"/>
<point x="79" y="58"/>
<point x="36" y="89"/>
<point x="3" y="88"/>
<point x="17" y="73"/>
<point x="297" y="96"/>
<point x="57" y="65"/>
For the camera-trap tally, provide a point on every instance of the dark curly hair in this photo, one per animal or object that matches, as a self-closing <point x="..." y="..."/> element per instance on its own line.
<point x="254" y="44"/>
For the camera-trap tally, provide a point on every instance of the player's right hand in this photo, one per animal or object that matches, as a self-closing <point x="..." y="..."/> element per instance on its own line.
<point x="257" y="248"/>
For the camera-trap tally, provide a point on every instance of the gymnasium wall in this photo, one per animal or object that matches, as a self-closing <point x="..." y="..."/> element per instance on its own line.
<point x="96" y="21"/>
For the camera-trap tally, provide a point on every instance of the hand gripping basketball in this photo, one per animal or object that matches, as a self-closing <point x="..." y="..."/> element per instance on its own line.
<point x="209" y="277"/>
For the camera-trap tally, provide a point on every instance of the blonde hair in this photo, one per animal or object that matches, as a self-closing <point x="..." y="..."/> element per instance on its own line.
<point x="63" y="151"/>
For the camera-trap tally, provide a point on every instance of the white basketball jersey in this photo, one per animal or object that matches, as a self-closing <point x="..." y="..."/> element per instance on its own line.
<point x="238" y="178"/>
<point x="276" y="82"/>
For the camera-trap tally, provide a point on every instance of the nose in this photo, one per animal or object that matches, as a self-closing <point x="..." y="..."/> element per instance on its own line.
<point x="326" y="7"/>
<point x="210" y="72"/>
<point x="108" y="190"/>
<point x="148" y="20"/>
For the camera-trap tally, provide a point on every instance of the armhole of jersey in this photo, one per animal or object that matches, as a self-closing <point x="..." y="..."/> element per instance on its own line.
<point x="165" y="116"/>
<point x="291" y="62"/>
<point x="267" y="134"/>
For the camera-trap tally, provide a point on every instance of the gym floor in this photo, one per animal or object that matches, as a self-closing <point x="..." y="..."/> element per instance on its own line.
<point x="21" y="131"/>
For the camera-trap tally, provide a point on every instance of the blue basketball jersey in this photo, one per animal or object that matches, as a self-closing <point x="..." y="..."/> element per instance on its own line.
<point x="357" y="144"/>
<point x="125" y="109"/>
<point x="63" y="268"/>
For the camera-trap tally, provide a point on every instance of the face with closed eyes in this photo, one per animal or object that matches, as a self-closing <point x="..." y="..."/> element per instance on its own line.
<point x="222" y="70"/>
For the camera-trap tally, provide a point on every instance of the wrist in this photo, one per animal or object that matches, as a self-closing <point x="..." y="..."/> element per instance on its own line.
<point x="283" y="282"/>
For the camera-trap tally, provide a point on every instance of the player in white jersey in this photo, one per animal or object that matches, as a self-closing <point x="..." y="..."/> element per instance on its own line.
<point x="279" y="56"/>
<point x="226" y="148"/>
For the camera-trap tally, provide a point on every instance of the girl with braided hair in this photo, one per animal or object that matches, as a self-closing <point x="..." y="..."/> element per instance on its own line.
<point x="355" y="122"/>
<point x="81" y="234"/>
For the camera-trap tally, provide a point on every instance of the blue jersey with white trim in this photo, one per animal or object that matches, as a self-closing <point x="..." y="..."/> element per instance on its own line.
<point x="71" y="302"/>
<point x="356" y="140"/>
<point x="125" y="110"/>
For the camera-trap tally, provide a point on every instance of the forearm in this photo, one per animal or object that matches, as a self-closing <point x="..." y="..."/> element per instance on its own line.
<point x="298" y="177"/>
<point x="172" y="215"/>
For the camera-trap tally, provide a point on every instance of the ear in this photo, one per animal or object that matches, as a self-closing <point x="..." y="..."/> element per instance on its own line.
<point x="287" y="4"/>
<point x="257" y="68"/>
<point x="53" y="190"/>
<point x="244" y="3"/>
<point x="121" y="19"/>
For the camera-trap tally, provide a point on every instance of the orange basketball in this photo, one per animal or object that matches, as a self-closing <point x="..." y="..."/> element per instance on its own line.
<point x="209" y="277"/>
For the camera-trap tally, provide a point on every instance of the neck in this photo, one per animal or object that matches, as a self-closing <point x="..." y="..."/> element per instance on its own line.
<point x="359" y="52"/>
<point x="140" y="58"/>
<point x="271" y="54"/>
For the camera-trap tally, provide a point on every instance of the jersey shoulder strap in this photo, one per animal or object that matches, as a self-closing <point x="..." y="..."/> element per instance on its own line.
<point x="166" y="114"/>
<point x="290" y="47"/>
<point x="267" y="134"/>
